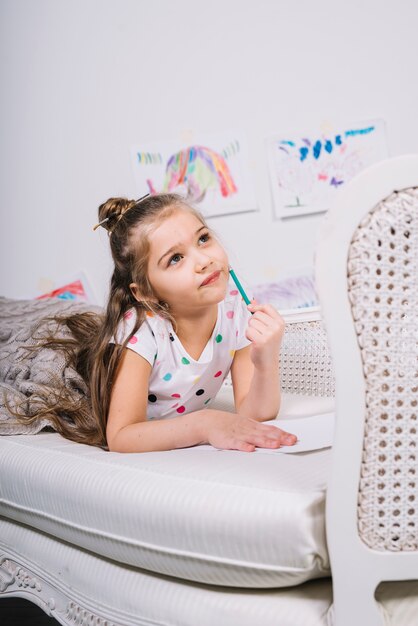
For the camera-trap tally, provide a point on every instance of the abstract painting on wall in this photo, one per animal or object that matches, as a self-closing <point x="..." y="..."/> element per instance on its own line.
<point x="77" y="288"/>
<point x="290" y="292"/>
<point x="306" y="171"/>
<point x="213" y="173"/>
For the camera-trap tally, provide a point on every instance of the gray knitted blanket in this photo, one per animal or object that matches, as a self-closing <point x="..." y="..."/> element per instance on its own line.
<point x="24" y="373"/>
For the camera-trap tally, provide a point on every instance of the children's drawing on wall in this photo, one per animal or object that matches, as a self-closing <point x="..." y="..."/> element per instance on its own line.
<point x="307" y="170"/>
<point x="77" y="288"/>
<point x="213" y="173"/>
<point x="290" y="292"/>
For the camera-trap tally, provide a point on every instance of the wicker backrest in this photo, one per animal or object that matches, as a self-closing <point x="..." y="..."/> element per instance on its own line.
<point x="383" y="291"/>
<point x="305" y="361"/>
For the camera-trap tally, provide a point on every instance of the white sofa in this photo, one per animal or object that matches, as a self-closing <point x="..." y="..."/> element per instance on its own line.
<point x="200" y="521"/>
<point x="187" y="537"/>
<point x="199" y="536"/>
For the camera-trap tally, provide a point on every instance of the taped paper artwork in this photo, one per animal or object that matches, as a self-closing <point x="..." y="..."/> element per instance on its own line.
<point x="76" y="288"/>
<point x="306" y="171"/>
<point x="213" y="174"/>
<point x="291" y="292"/>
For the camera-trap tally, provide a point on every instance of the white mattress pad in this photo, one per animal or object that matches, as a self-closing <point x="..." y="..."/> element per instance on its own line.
<point x="216" y="517"/>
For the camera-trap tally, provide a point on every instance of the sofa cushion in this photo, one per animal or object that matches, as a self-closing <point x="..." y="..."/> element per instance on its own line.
<point x="223" y="518"/>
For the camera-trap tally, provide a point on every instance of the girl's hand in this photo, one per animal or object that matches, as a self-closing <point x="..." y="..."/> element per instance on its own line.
<point x="229" y="431"/>
<point x="265" y="331"/>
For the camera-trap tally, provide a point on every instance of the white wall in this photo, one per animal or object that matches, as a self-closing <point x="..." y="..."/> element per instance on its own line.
<point x="84" y="80"/>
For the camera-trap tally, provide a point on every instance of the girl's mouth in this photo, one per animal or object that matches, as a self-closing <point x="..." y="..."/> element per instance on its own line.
<point x="211" y="278"/>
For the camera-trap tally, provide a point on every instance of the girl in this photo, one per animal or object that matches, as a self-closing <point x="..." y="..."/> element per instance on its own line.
<point x="149" y="367"/>
<point x="173" y="329"/>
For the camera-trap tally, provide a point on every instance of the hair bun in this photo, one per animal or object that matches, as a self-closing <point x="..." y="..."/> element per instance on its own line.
<point x="112" y="210"/>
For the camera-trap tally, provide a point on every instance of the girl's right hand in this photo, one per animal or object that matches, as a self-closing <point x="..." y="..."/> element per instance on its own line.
<point x="229" y="431"/>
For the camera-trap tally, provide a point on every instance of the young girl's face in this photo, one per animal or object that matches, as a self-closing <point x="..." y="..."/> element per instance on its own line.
<point x="187" y="267"/>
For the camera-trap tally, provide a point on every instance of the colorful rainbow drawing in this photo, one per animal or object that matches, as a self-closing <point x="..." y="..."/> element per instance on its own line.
<point x="149" y="158"/>
<point x="197" y="168"/>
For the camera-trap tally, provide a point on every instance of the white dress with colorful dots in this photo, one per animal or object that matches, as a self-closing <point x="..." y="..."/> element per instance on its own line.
<point x="178" y="383"/>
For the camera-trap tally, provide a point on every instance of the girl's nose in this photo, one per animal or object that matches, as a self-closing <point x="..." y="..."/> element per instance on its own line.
<point x="202" y="262"/>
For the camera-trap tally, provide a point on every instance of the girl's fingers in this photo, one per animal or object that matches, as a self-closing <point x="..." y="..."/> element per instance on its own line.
<point x="278" y="435"/>
<point x="287" y="439"/>
<point x="253" y="335"/>
<point x="267" y="442"/>
<point x="265" y="329"/>
<point x="251" y="441"/>
<point x="252" y="434"/>
<point x="265" y="436"/>
<point x="257" y="336"/>
<point x="265" y="308"/>
<point x="263" y="317"/>
<point x="244" y="446"/>
<point x="257" y="325"/>
<point x="264" y="322"/>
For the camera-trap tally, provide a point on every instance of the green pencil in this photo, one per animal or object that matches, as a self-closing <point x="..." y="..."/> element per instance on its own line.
<point x="239" y="286"/>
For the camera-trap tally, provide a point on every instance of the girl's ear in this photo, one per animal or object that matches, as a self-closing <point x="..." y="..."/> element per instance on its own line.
<point x="138" y="295"/>
<point x="135" y="291"/>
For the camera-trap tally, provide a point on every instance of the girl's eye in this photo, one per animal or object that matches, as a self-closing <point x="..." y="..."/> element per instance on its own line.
<point x="174" y="259"/>
<point x="204" y="238"/>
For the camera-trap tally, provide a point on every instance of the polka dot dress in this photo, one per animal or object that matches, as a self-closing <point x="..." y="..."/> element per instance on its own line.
<point x="178" y="383"/>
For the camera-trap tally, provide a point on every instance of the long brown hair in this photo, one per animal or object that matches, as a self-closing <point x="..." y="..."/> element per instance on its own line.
<point x="89" y="348"/>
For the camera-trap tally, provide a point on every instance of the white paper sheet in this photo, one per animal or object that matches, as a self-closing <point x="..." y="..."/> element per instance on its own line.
<point x="314" y="433"/>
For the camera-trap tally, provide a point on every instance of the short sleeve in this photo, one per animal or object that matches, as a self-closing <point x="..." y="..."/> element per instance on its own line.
<point x="242" y="316"/>
<point x="142" y="342"/>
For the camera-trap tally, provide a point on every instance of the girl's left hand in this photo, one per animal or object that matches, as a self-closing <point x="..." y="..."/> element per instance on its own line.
<point x="265" y="331"/>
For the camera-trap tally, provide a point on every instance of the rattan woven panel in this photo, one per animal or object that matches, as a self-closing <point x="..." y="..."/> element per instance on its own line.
<point x="383" y="291"/>
<point x="305" y="361"/>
